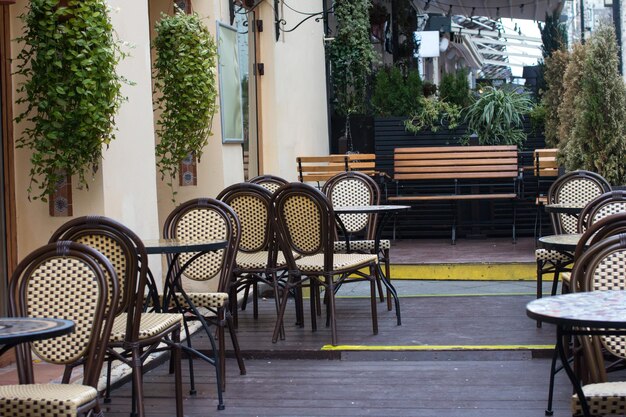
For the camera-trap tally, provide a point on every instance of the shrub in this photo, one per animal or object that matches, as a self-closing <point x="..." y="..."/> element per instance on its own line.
<point x="597" y="141"/>
<point x="454" y="88"/>
<point x="394" y="94"/>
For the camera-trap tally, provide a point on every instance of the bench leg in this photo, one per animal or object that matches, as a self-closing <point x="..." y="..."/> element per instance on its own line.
<point x="514" y="221"/>
<point x="455" y="209"/>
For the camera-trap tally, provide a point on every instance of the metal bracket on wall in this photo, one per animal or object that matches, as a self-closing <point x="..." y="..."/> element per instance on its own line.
<point x="260" y="68"/>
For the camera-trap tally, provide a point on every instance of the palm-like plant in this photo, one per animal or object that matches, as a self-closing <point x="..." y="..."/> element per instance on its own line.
<point x="496" y="116"/>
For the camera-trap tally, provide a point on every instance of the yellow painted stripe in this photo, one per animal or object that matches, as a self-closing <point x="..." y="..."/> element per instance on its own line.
<point x="470" y="272"/>
<point x="504" y="294"/>
<point x="434" y="347"/>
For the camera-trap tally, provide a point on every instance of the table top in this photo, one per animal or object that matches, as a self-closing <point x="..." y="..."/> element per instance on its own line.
<point x="14" y="330"/>
<point x="370" y="209"/>
<point x="156" y="246"/>
<point x="565" y="242"/>
<point x="566" y="208"/>
<point x="596" y="309"/>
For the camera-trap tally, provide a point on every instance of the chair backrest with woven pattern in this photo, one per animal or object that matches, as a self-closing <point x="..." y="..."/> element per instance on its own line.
<point x="354" y="189"/>
<point x="602" y="267"/>
<point x="251" y="202"/>
<point x="304" y="221"/>
<point x="127" y="254"/>
<point x="576" y="187"/>
<point x="70" y="281"/>
<point x="269" y="182"/>
<point x="605" y="205"/>
<point x="205" y="219"/>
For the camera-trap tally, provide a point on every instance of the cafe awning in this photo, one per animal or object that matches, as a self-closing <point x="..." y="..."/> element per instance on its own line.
<point x="494" y="9"/>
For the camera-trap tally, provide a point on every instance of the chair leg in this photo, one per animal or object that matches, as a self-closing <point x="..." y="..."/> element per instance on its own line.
<point x="137" y="370"/>
<point x="107" y="391"/>
<point x="388" y="275"/>
<point x="192" y="379"/>
<point x="235" y="342"/>
<point x="374" y="274"/>
<point x="330" y="289"/>
<point x="540" y="265"/>
<point x="178" y="375"/>
<point x="549" y="411"/>
<point x="555" y="280"/>
<point x="281" y="313"/>
<point x="277" y="303"/>
<point x="314" y="303"/>
<point x="255" y="300"/>
<point x="221" y="346"/>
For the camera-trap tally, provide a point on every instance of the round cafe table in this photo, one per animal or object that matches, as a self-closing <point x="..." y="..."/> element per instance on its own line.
<point x="16" y="330"/>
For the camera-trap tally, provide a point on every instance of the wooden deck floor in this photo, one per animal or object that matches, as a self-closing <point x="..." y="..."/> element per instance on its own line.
<point x="453" y="356"/>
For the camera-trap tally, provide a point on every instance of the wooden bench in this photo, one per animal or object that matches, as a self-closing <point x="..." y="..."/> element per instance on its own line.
<point x="322" y="168"/>
<point x="456" y="173"/>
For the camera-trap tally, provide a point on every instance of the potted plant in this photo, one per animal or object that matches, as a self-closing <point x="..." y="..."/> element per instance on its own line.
<point x="70" y="91"/>
<point x="497" y="116"/>
<point x="185" y="89"/>
<point x="350" y="56"/>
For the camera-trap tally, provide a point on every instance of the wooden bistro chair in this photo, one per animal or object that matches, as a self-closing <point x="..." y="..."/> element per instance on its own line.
<point x="576" y="187"/>
<point x="136" y="334"/>
<point x="357" y="189"/>
<point x="257" y="259"/>
<point x="269" y="182"/>
<point x="602" y="268"/>
<point x="546" y="171"/>
<point x="70" y="281"/>
<point x="305" y="225"/>
<point x="599" y="230"/>
<point x="206" y="219"/>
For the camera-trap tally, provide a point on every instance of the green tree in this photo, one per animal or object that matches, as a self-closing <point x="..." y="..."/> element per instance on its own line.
<point x="598" y="137"/>
<point x="454" y="88"/>
<point x="554" y="71"/>
<point x="567" y="107"/>
<point x="351" y="56"/>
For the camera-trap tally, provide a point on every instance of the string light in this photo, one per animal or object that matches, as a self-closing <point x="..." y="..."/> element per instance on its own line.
<point x="427" y="5"/>
<point x="497" y="13"/>
<point x="450" y="11"/>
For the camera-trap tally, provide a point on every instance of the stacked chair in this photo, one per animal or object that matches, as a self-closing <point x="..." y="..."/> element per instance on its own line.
<point x="135" y="333"/>
<point x="270" y="182"/>
<point x="257" y="258"/>
<point x="357" y="189"/>
<point x="70" y="281"/>
<point x="576" y="187"/>
<point x="305" y="225"/>
<point x="205" y="219"/>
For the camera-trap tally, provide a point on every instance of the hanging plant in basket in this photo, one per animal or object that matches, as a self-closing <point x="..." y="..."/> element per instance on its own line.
<point x="71" y="91"/>
<point x="186" y="89"/>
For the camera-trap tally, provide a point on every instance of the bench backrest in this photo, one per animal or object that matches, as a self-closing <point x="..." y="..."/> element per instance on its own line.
<point x="322" y="168"/>
<point x="545" y="163"/>
<point x="455" y="162"/>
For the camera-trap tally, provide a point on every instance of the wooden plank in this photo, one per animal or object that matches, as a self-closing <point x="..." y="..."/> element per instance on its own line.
<point x="457" y="148"/>
<point x="327" y="158"/>
<point x="462" y="168"/>
<point x="443" y="197"/>
<point x="323" y="168"/>
<point x="455" y="155"/>
<point x="451" y="176"/>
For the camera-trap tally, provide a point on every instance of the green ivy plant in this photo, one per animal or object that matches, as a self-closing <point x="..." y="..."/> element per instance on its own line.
<point x="434" y="114"/>
<point x="70" y="92"/>
<point x="351" y="56"/>
<point x="496" y="116"/>
<point x="186" y="89"/>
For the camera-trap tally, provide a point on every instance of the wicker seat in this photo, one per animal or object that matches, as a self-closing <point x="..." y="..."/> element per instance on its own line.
<point x="305" y="224"/>
<point x="357" y="189"/>
<point x="602" y="268"/>
<point x="258" y="260"/>
<point x="135" y="334"/>
<point x="70" y="281"/>
<point x="576" y="187"/>
<point x="206" y="219"/>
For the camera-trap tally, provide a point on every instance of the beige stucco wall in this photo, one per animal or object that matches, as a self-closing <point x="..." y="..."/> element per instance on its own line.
<point x="124" y="187"/>
<point x="293" y="89"/>
<point x="127" y="186"/>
